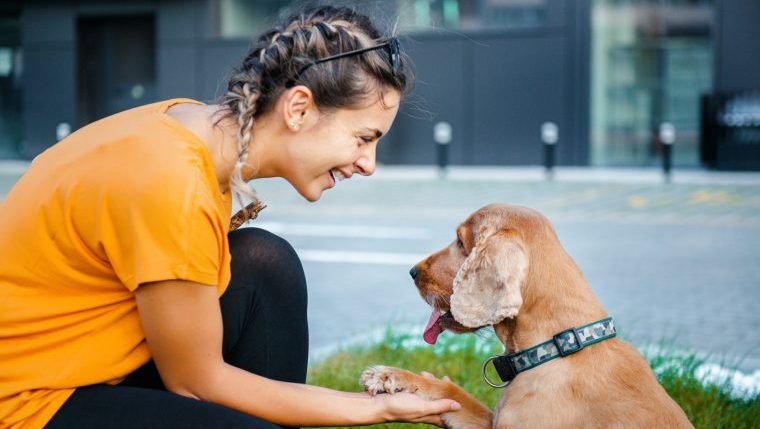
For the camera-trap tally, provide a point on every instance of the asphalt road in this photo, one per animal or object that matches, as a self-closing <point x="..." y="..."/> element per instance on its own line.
<point x="674" y="263"/>
<point x="677" y="262"/>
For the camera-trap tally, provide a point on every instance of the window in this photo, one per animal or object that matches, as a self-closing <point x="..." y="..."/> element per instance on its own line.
<point x="247" y="18"/>
<point x="471" y="14"/>
<point x="651" y="61"/>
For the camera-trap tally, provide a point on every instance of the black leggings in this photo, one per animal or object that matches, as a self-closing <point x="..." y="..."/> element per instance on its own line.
<point x="265" y="332"/>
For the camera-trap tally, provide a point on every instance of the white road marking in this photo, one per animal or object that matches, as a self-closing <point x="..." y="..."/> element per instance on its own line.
<point x="352" y="231"/>
<point x="356" y="257"/>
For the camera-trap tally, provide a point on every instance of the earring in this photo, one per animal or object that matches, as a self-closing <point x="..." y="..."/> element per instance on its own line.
<point x="294" y="126"/>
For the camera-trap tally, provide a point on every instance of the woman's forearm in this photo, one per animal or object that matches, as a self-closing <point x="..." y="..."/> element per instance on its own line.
<point x="292" y="404"/>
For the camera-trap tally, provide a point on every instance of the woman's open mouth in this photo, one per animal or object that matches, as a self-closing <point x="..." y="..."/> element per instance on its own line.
<point x="335" y="176"/>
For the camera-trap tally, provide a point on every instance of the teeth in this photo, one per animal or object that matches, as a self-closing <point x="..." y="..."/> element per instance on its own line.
<point x="337" y="175"/>
<point x="444" y="312"/>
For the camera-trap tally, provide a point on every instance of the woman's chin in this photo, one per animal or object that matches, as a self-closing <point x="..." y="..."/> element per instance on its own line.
<point x="310" y="191"/>
<point x="312" y="198"/>
<point x="311" y="194"/>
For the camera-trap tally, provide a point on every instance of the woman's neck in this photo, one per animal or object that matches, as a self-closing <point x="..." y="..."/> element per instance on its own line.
<point x="219" y="133"/>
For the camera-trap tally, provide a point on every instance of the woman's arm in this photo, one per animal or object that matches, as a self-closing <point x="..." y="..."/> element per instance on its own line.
<point x="183" y="327"/>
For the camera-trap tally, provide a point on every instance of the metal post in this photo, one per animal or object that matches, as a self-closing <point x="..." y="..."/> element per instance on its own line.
<point x="549" y="137"/>
<point x="62" y="130"/>
<point x="667" y="137"/>
<point x="442" y="135"/>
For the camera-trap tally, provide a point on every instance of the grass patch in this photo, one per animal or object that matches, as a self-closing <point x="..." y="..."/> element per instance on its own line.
<point x="711" y="406"/>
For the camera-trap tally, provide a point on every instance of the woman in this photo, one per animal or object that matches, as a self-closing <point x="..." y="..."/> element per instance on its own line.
<point x="119" y="306"/>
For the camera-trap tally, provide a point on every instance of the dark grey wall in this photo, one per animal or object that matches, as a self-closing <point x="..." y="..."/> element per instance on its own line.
<point x="49" y="30"/>
<point x="179" y="38"/>
<point x="496" y="88"/>
<point x="10" y="7"/>
<point x="737" y="58"/>
<point x="49" y="84"/>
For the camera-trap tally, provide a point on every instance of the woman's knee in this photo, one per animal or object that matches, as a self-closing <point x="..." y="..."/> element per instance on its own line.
<point x="261" y="256"/>
<point x="265" y="307"/>
<point x="261" y="248"/>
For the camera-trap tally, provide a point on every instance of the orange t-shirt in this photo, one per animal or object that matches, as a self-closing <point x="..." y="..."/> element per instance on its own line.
<point x="129" y="199"/>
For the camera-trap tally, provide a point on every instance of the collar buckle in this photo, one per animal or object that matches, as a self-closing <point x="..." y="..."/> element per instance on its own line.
<point x="564" y="342"/>
<point x="504" y="368"/>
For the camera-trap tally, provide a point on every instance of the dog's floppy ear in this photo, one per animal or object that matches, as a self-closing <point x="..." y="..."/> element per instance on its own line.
<point x="487" y="287"/>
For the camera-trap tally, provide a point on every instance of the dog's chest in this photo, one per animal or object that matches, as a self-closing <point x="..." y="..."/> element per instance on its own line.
<point x="539" y="399"/>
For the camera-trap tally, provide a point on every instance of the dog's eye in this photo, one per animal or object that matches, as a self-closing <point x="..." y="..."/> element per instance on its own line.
<point x="460" y="245"/>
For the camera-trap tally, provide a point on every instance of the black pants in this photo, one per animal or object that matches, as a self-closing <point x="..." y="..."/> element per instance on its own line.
<point x="265" y="332"/>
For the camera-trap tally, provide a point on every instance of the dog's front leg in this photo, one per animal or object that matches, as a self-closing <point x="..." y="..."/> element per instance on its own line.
<point x="472" y="415"/>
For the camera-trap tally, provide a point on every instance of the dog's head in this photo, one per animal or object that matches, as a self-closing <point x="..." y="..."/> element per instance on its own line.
<point x="476" y="281"/>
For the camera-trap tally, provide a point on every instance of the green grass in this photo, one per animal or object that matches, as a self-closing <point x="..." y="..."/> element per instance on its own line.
<point x="460" y="357"/>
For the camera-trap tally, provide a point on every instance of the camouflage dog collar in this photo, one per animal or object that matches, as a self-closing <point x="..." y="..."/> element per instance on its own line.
<point x="563" y="344"/>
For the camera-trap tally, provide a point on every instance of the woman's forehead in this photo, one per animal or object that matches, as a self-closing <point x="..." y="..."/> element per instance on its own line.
<point x="375" y="116"/>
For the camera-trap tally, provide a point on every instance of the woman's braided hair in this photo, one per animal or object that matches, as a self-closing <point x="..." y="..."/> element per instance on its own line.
<point x="274" y="61"/>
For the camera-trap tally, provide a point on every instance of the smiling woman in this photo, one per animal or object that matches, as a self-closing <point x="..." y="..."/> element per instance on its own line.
<point x="131" y="304"/>
<point x="326" y="78"/>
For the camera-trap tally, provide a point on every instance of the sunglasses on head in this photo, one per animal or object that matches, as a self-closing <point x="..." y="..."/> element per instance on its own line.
<point x="391" y="44"/>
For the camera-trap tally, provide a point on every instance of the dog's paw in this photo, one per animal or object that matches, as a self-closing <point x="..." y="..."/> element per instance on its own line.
<point x="384" y="379"/>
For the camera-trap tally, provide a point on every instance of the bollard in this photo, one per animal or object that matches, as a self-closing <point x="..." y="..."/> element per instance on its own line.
<point x="62" y="130"/>
<point x="442" y="137"/>
<point x="549" y="136"/>
<point x="667" y="137"/>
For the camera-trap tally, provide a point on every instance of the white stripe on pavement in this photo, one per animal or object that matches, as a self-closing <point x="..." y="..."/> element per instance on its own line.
<point x="380" y="258"/>
<point x="354" y="231"/>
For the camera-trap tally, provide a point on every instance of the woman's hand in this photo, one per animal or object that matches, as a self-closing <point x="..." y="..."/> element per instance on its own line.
<point x="188" y="354"/>
<point x="408" y="407"/>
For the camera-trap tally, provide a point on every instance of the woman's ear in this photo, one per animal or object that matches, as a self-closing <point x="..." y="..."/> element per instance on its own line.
<point x="298" y="101"/>
<point x="487" y="286"/>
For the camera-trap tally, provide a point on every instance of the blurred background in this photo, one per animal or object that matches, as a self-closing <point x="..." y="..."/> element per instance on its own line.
<point x="607" y="73"/>
<point x="601" y="89"/>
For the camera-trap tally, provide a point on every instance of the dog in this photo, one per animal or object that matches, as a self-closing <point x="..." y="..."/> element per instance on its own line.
<point x="507" y="269"/>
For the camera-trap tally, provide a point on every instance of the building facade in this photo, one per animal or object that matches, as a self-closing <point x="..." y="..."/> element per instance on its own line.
<point x="607" y="73"/>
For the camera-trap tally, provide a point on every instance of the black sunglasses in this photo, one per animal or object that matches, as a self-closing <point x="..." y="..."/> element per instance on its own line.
<point x="391" y="44"/>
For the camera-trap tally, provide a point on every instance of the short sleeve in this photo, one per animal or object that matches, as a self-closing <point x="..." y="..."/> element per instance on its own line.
<point x="167" y="228"/>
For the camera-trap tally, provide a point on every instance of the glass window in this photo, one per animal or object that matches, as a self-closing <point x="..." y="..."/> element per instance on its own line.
<point x="247" y="18"/>
<point x="471" y="14"/>
<point x="651" y="61"/>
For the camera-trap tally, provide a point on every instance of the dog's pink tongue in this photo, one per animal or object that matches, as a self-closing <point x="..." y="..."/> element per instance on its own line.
<point x="432" y="330"/>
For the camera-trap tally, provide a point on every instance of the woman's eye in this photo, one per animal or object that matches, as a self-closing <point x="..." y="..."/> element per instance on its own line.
<point x="365" y="139"/>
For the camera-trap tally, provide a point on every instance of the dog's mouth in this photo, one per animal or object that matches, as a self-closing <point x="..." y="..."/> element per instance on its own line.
<point x="433" y="329"/>
<point x="443" y="320"/>
<point x="437" y="323"/>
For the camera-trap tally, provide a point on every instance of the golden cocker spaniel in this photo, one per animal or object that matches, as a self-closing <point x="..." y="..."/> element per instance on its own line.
<point x="507" y="269"/>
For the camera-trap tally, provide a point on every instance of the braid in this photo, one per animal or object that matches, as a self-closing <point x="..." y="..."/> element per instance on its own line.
<point x="281" y="52"/>
<point x="242" y="96"/>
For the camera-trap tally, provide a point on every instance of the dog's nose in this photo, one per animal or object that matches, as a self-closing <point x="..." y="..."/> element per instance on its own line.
<point x="413" y="272"/>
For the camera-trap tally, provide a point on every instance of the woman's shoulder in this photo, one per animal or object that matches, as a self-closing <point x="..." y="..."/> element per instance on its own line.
<point x="141" y="137"/>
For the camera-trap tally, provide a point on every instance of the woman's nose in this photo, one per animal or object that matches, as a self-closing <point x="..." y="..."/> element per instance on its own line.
<point x="366" y="164"/>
